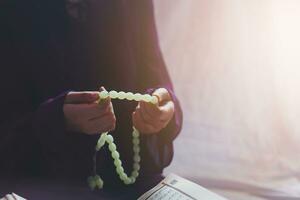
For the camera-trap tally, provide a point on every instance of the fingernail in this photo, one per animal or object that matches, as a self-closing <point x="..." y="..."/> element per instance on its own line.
<point x="102" y="89"/>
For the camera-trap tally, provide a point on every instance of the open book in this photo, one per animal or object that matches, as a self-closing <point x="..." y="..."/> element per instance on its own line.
<point x="177" y="188"/>
<point x="172" y="187"/>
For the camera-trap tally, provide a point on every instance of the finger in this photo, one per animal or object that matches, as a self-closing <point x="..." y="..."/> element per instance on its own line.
<point x="152" y="120"/>
<point x="88" y="111"/>
<point x="98" y="130"/>
<point x="155" y="122"/>
<point x="152" y="110"/>
<point x="81" y="97"/>
<point x="101" y="101"/>
<point x="141" y="125"/>
<point x="102" y="88"/>
<point x="103" y="124"/>
<point x="101" y="110"/>
<point x="167" y="111"/>
<point x="162" y="114"/>
<point x="96" y="117"/>
<point x="105" y="103"/>
<point x="137" y="122"/>
<point x="162" y="94"/>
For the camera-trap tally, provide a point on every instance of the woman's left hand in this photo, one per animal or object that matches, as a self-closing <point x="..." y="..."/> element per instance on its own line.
<point x="149" y="118"/>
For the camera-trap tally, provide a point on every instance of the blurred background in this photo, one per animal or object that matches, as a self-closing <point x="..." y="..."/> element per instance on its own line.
<point x="235" y="65"/>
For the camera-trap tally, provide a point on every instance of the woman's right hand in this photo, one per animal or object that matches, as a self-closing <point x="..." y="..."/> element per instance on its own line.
<point x="84" y="114"/>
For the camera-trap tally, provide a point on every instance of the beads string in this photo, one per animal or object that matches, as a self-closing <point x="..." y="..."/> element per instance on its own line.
<point x="96" y="181"/>
<point x="129" y="96"/>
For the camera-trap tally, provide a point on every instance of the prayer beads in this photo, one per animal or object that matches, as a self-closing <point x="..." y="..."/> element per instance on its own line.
<point x="96" y="181"/>
<point x="129" y="96"/>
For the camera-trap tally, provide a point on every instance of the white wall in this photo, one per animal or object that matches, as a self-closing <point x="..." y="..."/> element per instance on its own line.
<point x="236" y="69"/>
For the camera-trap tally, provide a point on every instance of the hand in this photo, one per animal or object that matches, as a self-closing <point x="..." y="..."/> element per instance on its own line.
<point x="149" y="118"/>
<point x="84" y="114"/>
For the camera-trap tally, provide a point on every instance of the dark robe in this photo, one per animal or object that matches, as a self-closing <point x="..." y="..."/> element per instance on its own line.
<point x="50" y="47"/>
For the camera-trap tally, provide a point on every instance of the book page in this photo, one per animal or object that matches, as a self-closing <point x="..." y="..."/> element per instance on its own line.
<point x="174" y="187"/>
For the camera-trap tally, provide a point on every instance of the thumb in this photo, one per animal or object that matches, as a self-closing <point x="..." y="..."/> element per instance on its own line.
<point x="162" y="94"/>
<point x="81" y="97"/>
<point x="102" y="89"/>
<point x="104" y="100"/>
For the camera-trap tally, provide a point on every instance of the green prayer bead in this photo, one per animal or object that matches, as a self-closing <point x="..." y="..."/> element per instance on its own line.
<point x="98" y="181"/>
<point x="122" y="95"/>
<point x="127" y="181"/>
<point x="103" y="94"/>
<point x="136" y="167"/>
<point x="154" y="100"/>
<point x="120" y="170"/>
<point x="118" y="162"/>
<point x="134" y="174"/>
<point x="112" y="147"/>
<point x="129" y="96"/>
<point x="135" y="134"/>
<point x="133" y="179"/>
<point x="137" y="97"/>
<point x="113" y="94"/>
<point x="136" y="158"/>
<point x="135" y="141"/>
<point x="123" y="176"/>
<point x="136" y="149"/>
<point x="109" y="139"/>
<point x="115" y="155"/>
<point x="147" y="97"/>
<point x="101" y="141"/>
